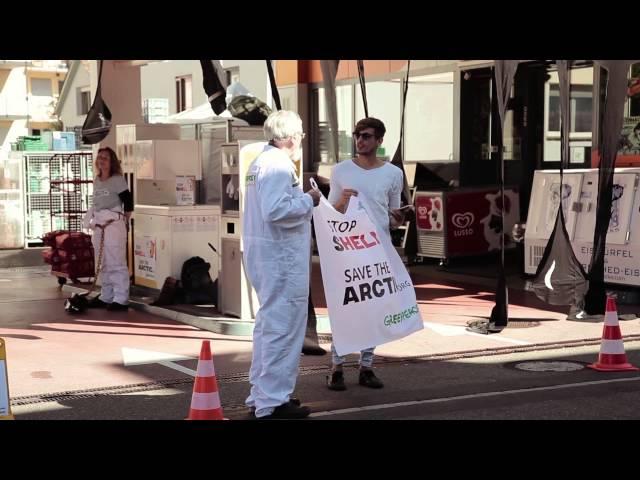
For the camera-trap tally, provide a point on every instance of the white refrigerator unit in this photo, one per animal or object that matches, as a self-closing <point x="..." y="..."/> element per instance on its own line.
<point x="543" y="208"/>
<point x="167" y="236"/>
<point x="579" y="200"/>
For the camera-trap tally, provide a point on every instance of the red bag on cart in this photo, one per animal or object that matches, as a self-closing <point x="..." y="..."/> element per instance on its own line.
<point x="49" y="239"/>
<point x="84" y="253"/>
<point x="52" y="257"/>
<point x="84" y="268"/>
<point x="72" y="241"/>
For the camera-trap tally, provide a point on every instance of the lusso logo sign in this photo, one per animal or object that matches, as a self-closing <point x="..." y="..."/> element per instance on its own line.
<point x="463" y="220"/>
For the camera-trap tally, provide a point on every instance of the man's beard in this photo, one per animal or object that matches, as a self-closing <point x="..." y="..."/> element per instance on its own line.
<point x="296" y="155"/>
<point x="366" y="152"/>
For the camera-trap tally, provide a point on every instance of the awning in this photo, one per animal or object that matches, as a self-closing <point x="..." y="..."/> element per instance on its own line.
<point x="203" y="114"/>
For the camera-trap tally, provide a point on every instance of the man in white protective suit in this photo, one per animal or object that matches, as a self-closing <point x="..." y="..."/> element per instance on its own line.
<point x="276" y="234"/>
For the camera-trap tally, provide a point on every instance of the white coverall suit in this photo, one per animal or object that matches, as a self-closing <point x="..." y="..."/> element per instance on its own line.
<point x="276" y="234"/>
<point x="114" y="275"/>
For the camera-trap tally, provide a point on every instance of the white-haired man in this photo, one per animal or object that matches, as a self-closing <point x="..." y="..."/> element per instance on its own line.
<point x="276" y="234"/>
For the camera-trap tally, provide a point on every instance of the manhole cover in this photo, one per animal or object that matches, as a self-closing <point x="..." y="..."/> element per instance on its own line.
<point x="549" y="366"/>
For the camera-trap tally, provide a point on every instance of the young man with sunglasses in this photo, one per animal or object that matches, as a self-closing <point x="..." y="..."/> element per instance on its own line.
<point x="381" y="183"/>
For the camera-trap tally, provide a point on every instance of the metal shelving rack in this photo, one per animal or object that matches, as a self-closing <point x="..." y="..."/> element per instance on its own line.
<point x="37" y="199"/>
<point x="70" y="189"/>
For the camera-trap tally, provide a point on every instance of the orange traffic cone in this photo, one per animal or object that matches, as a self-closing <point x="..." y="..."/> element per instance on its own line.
<point x="205" y="402"/>
<point x="612" y="357"/>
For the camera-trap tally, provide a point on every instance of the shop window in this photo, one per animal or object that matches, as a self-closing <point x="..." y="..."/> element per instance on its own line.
<point x="41" y="87"/>
<point x="581" y="114"/>
<point x="429" y="118"/>
<point x="183" y="93"/>
<point x="322" y="140"/>
<point x="384" y="102"/>
<point x="630" y="135"/>
<point x="84" y="100"/>
<point x="581" y="106"/>
<point x="232" y="75"/>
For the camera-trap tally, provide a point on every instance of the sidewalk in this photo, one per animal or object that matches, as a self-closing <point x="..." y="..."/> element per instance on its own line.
<point x="448" y="300"/>
<point x="52" y="351"/>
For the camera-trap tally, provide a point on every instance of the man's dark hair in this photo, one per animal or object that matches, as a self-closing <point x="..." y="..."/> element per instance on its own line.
<point x="370" y="122"/>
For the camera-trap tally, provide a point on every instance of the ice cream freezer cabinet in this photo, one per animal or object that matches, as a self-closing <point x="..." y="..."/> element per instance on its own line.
<point x="167" y="236"/>
<point x="578" y="197"/>
<point x="463" y="222"/>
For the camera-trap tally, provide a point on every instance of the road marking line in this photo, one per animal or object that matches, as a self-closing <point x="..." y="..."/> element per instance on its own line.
<point x="470" y="396"/>
<point x="180" y="368"/>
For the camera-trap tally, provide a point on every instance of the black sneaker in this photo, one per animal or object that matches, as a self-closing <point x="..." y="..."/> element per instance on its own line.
<point x="335" y="381"/>
<point x="117" y="307"/>
<point x="95" y="302"/>
<point x="368" y="379"/>
<point x="293" y="400"/>
<point x="288" y="411"/>
<point x="313" y="350"/>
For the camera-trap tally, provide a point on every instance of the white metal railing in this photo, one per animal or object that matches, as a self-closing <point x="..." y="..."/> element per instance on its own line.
<point x="38" y="108"/>
<point x="49" y="64"/>
<point x="12" y="106"/>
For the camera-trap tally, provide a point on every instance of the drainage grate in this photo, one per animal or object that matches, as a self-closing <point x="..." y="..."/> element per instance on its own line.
<point x="515" y="323"/>
<point x="142" y="387"/>
<point x="480" y="326"/>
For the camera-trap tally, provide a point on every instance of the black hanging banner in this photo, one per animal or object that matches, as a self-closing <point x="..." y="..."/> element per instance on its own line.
<point x="97" y="124"/>
<point x="398" y="158"/>
<point x="274" y="87"/>
<point x="560" y="278"/>
<point x="363" y="87"/>
<point x="610" y="128"/>
<point x="504" y="73"/>
<point x="213" y="86"/>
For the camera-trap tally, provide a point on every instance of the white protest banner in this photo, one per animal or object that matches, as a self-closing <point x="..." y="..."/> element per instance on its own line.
<point x="5" y="405"/>
<point x="370" y="295"/>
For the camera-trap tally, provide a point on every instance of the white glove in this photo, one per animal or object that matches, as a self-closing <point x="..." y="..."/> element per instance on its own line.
<point x="87" y="220"/>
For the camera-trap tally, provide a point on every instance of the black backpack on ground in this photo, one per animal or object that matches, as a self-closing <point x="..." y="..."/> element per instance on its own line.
<point x="197" y="286"/>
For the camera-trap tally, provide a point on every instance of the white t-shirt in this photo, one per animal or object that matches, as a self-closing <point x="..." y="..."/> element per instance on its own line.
<point x="381" y="186"/>
<point x="105" y="193"/>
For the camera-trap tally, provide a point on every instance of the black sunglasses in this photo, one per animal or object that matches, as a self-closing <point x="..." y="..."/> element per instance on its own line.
<point x="365" y="136"/>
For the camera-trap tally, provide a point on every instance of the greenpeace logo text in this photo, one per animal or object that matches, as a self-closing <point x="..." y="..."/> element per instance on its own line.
<point x="401" y="316"/>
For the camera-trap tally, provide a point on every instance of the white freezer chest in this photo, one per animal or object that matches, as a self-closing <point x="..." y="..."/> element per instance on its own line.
<point x="167" y="236"/>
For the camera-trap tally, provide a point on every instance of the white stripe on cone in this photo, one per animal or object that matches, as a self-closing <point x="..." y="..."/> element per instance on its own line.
<point x="206" y="369"/>
<point x="612" y="347"/>
<point x="205" y="401"/>
<point x="611" y="318"/>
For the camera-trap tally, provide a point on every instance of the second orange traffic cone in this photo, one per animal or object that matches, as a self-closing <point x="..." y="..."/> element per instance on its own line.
<point x="612" y="357"/>
<point x="205" y="402"/>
